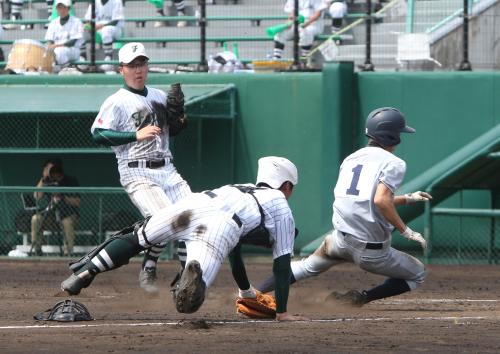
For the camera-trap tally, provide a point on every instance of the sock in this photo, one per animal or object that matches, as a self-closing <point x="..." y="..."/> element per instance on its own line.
<point x="182" y="253"/>
<point x="278" y="50"/>
<point x="151" y="256"/>
<point x="180" y="5"/>
<point x="391" y="287"/>
<point x="108" y="49"/>
<point x="304" y="52"/>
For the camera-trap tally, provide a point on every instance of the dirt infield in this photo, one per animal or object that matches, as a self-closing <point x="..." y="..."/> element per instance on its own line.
<point x="457" y="310"/>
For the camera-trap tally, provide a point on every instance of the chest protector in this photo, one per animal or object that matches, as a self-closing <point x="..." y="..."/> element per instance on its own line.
<point x="259" y="236"/>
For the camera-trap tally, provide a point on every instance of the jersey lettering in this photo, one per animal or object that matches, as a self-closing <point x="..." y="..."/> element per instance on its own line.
<point x="355" y="179"/>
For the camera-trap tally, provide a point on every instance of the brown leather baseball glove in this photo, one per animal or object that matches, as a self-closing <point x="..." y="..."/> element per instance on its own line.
<point x="262" y="306"/>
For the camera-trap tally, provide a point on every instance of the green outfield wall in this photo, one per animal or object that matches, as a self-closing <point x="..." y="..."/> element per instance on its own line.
<point x="314" y="119"/>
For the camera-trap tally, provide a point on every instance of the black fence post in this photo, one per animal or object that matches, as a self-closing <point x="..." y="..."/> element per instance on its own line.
<point x="203" y="65"/>
<point x="296" y="55"/>
<point x="92" y="67"/>
<point x="465" y="64"/>
<point x="368" y="66"/>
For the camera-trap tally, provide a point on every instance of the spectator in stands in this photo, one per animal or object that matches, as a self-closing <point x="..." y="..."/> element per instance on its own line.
<point x="15" y="7"/>
<point x="109" y="25"/>
<point x="312" y="11"/>
<point x="63" y="209"/>
<point x="180" y="6"/>
<point x="65" y="34"/>
<point x="337" y="10"/>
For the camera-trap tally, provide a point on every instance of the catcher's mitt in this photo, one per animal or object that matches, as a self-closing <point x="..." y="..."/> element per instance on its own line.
<point x="263" y="306"/>
<point x="176" y="116"/>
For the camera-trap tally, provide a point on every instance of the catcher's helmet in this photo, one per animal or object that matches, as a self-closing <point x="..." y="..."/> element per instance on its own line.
<point x="274" y="171"/>
<point x="385" y="124"/>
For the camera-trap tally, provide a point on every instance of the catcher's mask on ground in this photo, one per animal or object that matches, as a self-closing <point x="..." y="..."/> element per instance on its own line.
<point x="274" y="171"/>
<point x="385" y="124"/>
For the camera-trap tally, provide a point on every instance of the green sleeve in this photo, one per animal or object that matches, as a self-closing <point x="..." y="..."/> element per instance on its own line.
<point x="238" y="268"/>
<point x="70" y="43"/>
<point x="282" y="273"/>
<point x="112" y="137"/>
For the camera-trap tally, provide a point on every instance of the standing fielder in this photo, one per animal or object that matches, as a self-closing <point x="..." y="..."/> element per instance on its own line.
<point x="133" y="122"/>
<point x="212" y="223"/>
<point x="364" y="216"/>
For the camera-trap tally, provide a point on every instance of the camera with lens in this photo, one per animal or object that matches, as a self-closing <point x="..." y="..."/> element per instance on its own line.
<point x="54" y="176"/>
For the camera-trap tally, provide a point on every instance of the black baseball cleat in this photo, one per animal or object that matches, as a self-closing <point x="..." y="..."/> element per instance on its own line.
<point x="352" y="297"/>
<point x="189" y="292"/>
<point x="74" y="284"/>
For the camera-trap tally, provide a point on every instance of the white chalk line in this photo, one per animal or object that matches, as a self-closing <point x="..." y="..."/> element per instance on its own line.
<point x="430" y="301"/>
<point x="229" y="322"/>
<point x="247" y="322"/>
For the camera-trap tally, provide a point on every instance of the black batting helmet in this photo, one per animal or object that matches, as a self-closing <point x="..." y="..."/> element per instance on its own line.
<point x="385" y="124"/>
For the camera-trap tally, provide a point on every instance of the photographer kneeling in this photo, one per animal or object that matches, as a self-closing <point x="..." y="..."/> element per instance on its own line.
<point x="62" y="209"/>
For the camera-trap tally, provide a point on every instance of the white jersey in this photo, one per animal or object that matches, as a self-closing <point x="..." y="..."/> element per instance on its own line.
<point x="60" y="34"/>
<point x="127" y="111"/>
<point x="354" y="211"/>
<point x="278" y="218"/>
<point x="307" y="8"/>
<point x="111" y="11"/>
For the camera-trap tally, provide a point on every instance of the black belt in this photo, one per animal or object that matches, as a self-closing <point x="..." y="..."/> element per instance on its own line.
<point x="370" y="245"/>
<point x="374" y="246"/>
<point x="210" y="194"/>
<point x="236" y="218"/>
<point x="149" y="164"/>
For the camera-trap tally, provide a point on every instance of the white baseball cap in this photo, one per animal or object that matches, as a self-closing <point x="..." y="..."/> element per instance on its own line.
<point x="66" y="3"/>
<point x="274" y="171"/>
<point x="130" y="51"/>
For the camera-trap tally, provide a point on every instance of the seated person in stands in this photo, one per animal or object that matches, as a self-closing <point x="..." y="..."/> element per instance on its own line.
<point x="65" y="34"/>
<point x="337" y="10"/>
<point x="109" y="19"/>
<point x="14" y="10"/>
<point x="63" y="209"/>
<point x="312" y="11"/>
<point x="179" y="6"/>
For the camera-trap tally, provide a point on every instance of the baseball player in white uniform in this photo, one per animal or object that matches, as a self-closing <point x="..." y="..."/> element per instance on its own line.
<point x="109" y="24"/>
<point x="65" y="34"/>
<point x="129" y="122"/>
<point x="364" y="216"/>
<point x="211" y="223"/>
<point x="312" y="10"/>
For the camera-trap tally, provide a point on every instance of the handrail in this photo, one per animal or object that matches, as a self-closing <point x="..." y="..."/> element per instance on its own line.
<point x="449" y="18"/>
<point x="177" y="18"/>
<point x="193" y="39"/>
<point x="377" y="14"/>
<point x="489" y="213"/>
<point x="85" y="190"/>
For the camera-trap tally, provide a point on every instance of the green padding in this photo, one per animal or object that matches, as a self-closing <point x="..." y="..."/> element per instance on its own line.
<point x="83" y="99"/>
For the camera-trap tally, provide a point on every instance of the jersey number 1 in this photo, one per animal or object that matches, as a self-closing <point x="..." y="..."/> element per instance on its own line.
<point x="355" y="179"/>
